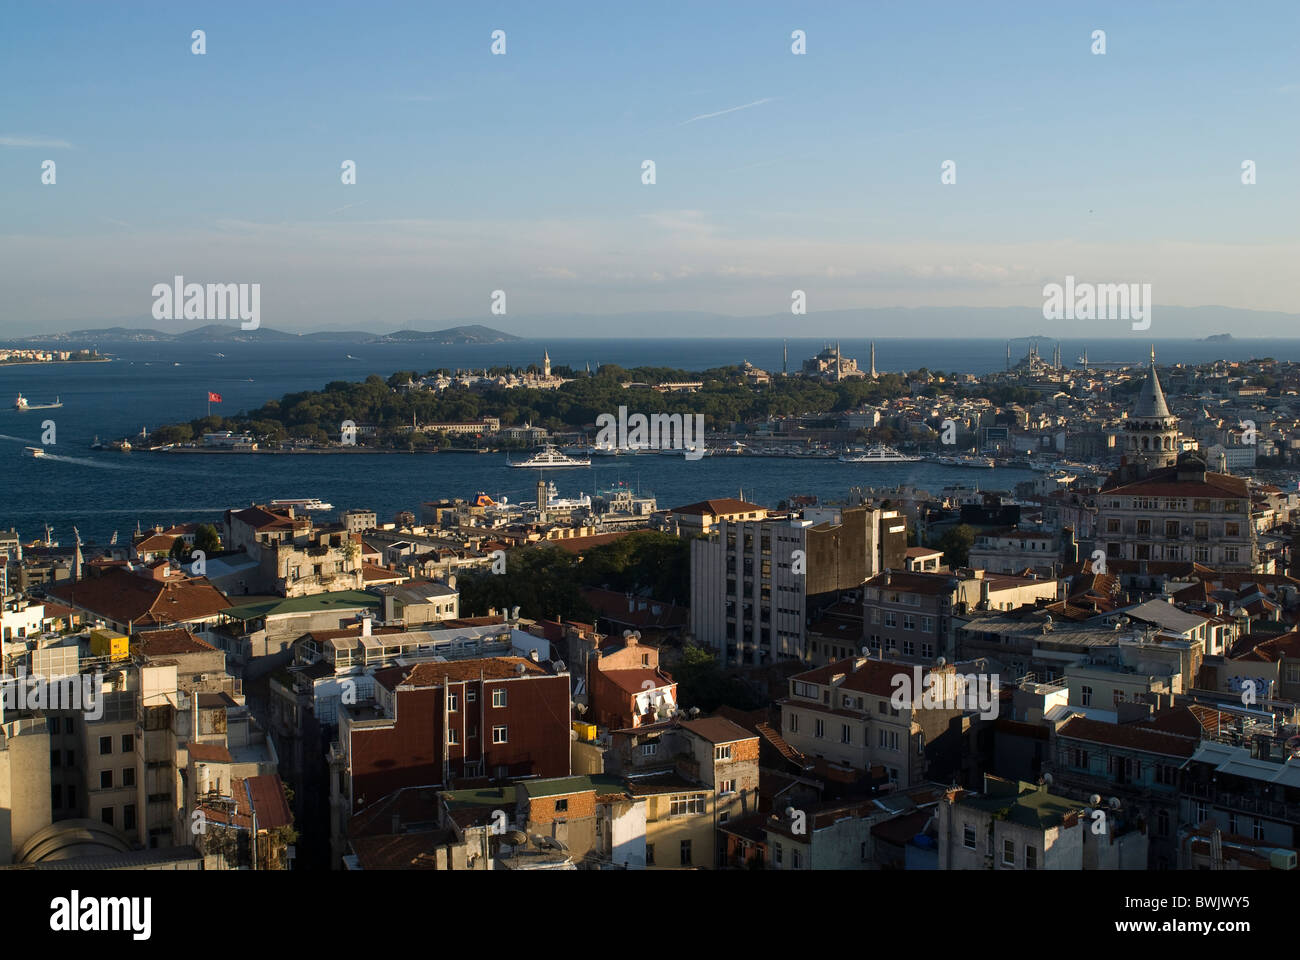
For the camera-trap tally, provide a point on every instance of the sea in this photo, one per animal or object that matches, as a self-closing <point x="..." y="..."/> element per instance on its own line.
<point x="149" y="384"/>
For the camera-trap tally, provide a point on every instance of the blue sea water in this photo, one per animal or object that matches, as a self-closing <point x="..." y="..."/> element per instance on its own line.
<point x="148" y="384"/>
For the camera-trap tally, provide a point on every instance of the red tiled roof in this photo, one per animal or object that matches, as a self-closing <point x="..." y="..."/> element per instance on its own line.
<point x="161" y="643"/>
<point x="433" y="674"/>
<point x="1131" y="735"/>
<point x="127" y="598"/>
<point x="209" y="753"/>
<point x="716" y="508"/>
<point x="717" y="730"/>
<point x="634" y="681"/>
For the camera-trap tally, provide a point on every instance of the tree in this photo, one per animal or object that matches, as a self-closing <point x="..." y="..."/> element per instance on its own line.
<point x="207" y="539"/>
<point x="956" y="544"/>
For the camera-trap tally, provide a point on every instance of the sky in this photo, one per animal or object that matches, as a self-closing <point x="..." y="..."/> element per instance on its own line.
<point x="523" y="172"/>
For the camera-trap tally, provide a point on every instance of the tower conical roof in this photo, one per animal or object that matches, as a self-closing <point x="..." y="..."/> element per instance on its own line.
<point x="1151" y="401"/>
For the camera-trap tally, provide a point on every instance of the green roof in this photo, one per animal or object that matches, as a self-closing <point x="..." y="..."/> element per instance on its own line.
<point x="1023" y="803"/>
<point x="339" y="600"/>
<point x="601" y="783"/>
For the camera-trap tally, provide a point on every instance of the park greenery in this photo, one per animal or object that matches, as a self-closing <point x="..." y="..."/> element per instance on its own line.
<point x="545" y="581"/>
<point x="391" y="406"/>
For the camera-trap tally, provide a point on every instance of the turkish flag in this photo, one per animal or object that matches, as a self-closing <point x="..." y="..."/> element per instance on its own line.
<point x="214" y="397"/>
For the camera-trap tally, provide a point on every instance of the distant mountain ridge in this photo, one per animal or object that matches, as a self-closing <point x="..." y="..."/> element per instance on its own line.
<point x="225" y="333"/>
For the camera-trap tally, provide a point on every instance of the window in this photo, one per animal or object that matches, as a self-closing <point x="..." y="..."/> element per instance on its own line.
<point x="1257" y="830"/>
<point x="727" y="786"/>
<point x="128" y="817"/>
<point x="927" y="624"/>
<point x="722" y="753"/>
<point x="499" y="735"/>
<point x="794" y="723"/>
<point x="802" y="689"/>
<point x="1009" y="852"/>
<point x="54" y="757"/>
<point x="499" y="697"/>
<point x="1162" y="822"/>
<point x="471" y="695"/>
<point x="1031" y="858"/>
<point x="128" y="776"/>
<point x="107" y="815"/>
<point x="685" y="804"/>
<point x="909" y="622"/>
<point x="562" y="806"/>
<point x="72" y="796"/>
<point x="1087" y="696"/>
<point x="776" y="854"/>
<point x="473" y="733"/>
<point x="796" y="860"/>
<point x="888" y="740"/>
<point x="453" y="735"/>
<point x="968" y="837"/>
<point x="891" y="619"/>
<point x="649" y="749"/>
<point x="645" y="659"/>
<point x="649" y="854"/>
<point x="686" y="853"/>
<point x="105" y="745"/>
<point x="1079" y="758"/>
<point x="128" y="743"/>
<point x="846" y="733"/>
<point x="106" y="780"/>
<point x="453" y="702"/>
<point x="820" y="728"/>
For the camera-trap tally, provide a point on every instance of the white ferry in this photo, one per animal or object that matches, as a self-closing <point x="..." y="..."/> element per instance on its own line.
<point x="983" y="463"/>
<point x="310" y="504"/>
<point x="33" y="451"/>
<point x="22" y="404"/>
<point x="878" y="454"/>
<point x="548" y="457"/>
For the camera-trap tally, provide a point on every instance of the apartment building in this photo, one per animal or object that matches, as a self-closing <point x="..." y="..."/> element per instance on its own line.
<point x="845" y="713"/>
<point x="1181" y="513"/>
<point x="755" y="584"/>
<point x="910" y="616"/>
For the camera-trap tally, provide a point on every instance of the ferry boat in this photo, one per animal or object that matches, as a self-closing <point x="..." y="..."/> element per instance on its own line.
<point x="983" y="463"/>
<point x="308" y="504"/>
<point x="22" y="404"/>
<point x="549" y="457"/>
<point x="878" y="454"/>
<point x="33" y="451"/>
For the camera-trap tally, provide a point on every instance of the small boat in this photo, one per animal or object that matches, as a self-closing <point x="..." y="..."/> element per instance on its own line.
<point x="22" y="404"/>
<point x="33" y="451"/>
<point x="550" y="457"/>
<point x="220" y="356"/>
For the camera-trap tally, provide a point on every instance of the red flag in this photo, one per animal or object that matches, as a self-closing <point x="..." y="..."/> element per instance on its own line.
<point x="214" y="397"/>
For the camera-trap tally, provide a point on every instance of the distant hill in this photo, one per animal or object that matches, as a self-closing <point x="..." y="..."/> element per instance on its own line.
<point x="473" y="333"/>
<point x="228" y="333"/>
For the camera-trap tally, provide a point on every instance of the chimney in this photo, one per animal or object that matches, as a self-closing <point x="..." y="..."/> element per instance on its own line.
<point x="365" y="626"/>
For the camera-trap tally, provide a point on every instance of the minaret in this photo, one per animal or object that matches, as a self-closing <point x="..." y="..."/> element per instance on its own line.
<point x="873" y="359"/>
<point x="546" y="364"/>
<point x="785" y="358"/>
<point x="838" y="363"/>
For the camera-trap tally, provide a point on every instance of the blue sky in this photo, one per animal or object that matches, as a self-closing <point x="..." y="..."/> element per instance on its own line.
<point x="523" y="172"/>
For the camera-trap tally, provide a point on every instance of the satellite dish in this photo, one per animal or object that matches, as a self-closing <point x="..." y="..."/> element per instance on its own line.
<point x="1094" y="800"/>
<point x="581" y="708"/>
<point x="941" y="662"/>
<point x="1114" y="803"/>
<point x="626" y="634"/>
<point x="1048" y="779"/>
<point x="789" y="812"/>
